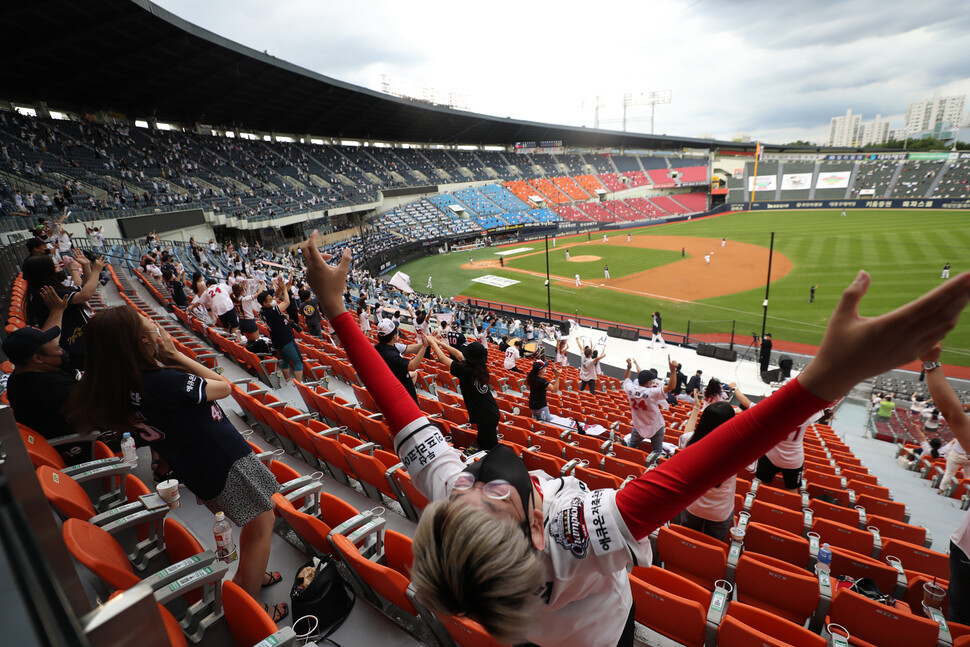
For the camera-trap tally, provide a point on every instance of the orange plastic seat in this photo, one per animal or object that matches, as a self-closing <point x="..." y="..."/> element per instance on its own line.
<point x="776" y="586"/>
<point x="916" y="559"/>
<point x="314" y="529"/>
<point x="777" y="517"/>
<point x="692" y="554"/>
<point x="745" y="625"/>
<point x="678" y="618"/>
<point x="872" y="624"/>
<point x="779" y="497"/>
<point x="832" y="512"/>
<point x="466" y="632"/>
<point x="843" y="536"/>
<point x="892" y="529"/>
<point x="766" y="540"/>
<point x="846" y="562"/>
<point x="387" y="582"/>
<point x="65" y="494"/>
<point x="248" y="621"/>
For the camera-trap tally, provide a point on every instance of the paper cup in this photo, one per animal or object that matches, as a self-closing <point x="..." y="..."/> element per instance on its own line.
<point x="168" y="490"/>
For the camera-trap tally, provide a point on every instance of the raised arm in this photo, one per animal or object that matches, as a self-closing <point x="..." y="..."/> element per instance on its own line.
<point x="672" y="382"/>
<point x="853" y="349"/>
<point x="946" y="399"/>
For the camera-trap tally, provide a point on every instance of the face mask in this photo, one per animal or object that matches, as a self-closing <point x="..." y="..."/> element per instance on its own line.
<point x="501" y="463"/>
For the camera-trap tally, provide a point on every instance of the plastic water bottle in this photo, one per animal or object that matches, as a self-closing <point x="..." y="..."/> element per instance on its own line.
<point x="824" y="559"/>
<point x="128" y="450"/>
<point x="225" y="547"/>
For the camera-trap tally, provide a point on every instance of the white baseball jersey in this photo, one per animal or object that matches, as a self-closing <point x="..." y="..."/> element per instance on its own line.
<point x="217" y="298"/>
<point x="645" y="404"/>
<point x="511" y="355"/>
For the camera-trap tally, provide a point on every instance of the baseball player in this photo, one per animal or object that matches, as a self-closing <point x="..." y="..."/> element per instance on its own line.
<point x="567" y="254"/>
<point x="606" y="238"/>
<point x="606" y="271"/>
<point x="429" y="282"/>
<point x="945" y="274"/>
<point x="579" y="283"/>
<point x="629" y="237"/>
<point x="707" y="259"/>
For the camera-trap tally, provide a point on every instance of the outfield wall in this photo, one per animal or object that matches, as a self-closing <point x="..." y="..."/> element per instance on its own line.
<point x="868" y="203"/>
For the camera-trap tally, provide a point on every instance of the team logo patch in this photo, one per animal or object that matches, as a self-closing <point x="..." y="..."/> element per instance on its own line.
<point x="568" y="528"/>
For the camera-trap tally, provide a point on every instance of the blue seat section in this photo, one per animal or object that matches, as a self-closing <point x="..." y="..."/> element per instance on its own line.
<point x="444" y="200"/>
<point x="543" y="215"/>
<point x="477" y="203"/>
<point x="490" y="222"/>
<point x="503" y="197"/>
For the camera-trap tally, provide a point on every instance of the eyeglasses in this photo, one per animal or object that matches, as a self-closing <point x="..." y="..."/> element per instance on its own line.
<point x="498" y="489"/>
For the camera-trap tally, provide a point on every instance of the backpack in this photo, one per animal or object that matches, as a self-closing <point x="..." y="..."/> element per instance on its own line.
<point x="261" y="346"/>
<point x="319" y="591"/>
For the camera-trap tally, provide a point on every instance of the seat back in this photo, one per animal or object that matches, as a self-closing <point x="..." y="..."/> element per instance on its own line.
<point x="779" y="497"/>
<point x="767" y="540"/>
<point x="678" y="618"/>
<point x="181" y="544"/>
<point x="892" y="529"/>
<point x="692" y="554"/>
<point x="882" y="507"/>
<point x="371" y="469"/>
<point x="39" y="450"/>
<point x="385" y="581"/>
<point x="248" y="621"/>
<point x="832" y="512"/>
<point x="776" y="586"/>
<point x="777" y="516"/>
<point x="844" y="536"/>
<point x="846" y="562"/>
<point x="99" y="552"/>
<point x="398" y="553"/>
<point x="65" y="494"/>
<point x="466" y="632"/>
<point x="917" y="559"/>
<point x="309" y="528"/>
<point x="880" y="625"/>
<point x="745" y="625"/>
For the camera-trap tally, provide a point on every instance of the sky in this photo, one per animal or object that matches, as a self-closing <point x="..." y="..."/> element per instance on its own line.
<point x="777" y="71"/>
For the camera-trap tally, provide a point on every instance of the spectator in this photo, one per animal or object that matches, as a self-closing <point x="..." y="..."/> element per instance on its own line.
<point x="280" y="332"/>
<point x="137" y="381"/>
<point x="40" y="384"/>
<point x="470" y="366"/>
<point x="217" y="299"/>
<point x="646" y="398"/>
<point x="176" y="288"/>
<point x="391" y="351"/>
<point x="310" y="308"/>
<point x="538" y="387"/>
<point x="38" y="272"/>
<point x="886" y="407"/>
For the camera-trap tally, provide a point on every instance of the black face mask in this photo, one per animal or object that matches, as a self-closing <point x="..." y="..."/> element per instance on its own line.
<point x="501" y="463"/>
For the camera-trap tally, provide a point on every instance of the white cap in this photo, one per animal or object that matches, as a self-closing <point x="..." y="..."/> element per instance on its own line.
<point x="386" y="327"/>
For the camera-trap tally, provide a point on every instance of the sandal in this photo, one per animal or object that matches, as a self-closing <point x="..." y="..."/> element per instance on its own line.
<point x="280" y="611"/>
<point x="274" y="578"/>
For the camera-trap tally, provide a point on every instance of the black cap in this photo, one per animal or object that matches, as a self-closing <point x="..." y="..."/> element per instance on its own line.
<point x="24" y="342"/>
<point x="475" y="354"/>
<point x="646" y="376"/>
<point x="34" y="243"/>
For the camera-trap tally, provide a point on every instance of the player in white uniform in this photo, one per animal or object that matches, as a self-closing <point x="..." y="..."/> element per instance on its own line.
<point x="647" y="397"/>
<point x="579" y="283"/>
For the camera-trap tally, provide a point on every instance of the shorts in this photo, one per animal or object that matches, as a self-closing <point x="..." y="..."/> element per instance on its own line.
<point x="290" y="357"/>
<point x="248" y="491"/>
<point x="248" y="325"/>
<point x="541" y="414"/>
<point x="229" y="319"/>
<point x="767" y="470"/>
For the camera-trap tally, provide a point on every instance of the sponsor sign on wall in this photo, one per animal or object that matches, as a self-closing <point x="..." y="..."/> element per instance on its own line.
<point x="796" y="181"/>
<point x="763" y="183"/>
<point x="833" y="180"/>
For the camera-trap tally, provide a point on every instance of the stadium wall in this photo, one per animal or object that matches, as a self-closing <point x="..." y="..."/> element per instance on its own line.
<point x="893" y="203"/>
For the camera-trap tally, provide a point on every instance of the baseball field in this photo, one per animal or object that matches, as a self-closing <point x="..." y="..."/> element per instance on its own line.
<point x="664" y="268"/>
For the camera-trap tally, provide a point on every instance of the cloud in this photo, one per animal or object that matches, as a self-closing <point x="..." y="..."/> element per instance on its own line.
<point x="772" y="69"/>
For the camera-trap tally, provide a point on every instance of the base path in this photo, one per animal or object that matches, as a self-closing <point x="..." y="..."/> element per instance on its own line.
<point x="736" y="267"/>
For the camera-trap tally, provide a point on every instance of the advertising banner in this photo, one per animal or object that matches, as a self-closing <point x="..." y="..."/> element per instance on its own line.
<point x="895" y="203"/>
<point x="833" y="180"/>
<point x="796" y="181"/>
<point x="763" y="183"/>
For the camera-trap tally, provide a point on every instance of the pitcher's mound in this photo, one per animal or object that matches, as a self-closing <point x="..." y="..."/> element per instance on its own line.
<point x="583" y="259"/>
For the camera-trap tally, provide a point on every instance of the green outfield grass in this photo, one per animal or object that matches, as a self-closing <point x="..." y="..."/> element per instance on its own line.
<point x="622" y="260"/>
<point x="902" y="250"/>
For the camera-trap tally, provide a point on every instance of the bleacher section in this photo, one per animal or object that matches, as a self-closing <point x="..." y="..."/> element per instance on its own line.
<point x="503" y="198"/>
<point x="476" y="202"/>
<point x="956" y="181"/>
<point x="915" y="178"/>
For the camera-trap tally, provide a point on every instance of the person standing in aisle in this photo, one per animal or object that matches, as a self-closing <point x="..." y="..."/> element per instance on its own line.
<point x="657" y="328"/>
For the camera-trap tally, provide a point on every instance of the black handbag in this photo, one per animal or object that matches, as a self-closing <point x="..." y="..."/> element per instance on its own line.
<point x="325" y="597"/>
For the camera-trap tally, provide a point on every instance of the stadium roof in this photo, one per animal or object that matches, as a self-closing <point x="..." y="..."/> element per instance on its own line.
<point x="137" y="59"/>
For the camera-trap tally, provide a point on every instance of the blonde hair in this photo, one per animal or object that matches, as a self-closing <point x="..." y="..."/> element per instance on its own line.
<point x="469" y="562"/>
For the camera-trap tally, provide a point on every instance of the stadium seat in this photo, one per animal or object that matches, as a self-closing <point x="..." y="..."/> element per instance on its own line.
<point x="248" y="621"/>
<point x="846" y="562"/>
<point x="918" y="560"/>
<point x="692" y="554"/>
<point x="746" y="625"/>
<point x="777" y="517"/>
<point x="843" y="536"/>
<point x="872" y="624"/>
<point x="776" y="586"/>
<point x="766" y="540"/>
<point x="673" y="609"/>
<point x="314" y="529"/>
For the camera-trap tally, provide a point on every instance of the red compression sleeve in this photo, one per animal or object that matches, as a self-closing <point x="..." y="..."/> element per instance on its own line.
<point x="389" y="394"/>
<point x="656" y="497"/>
